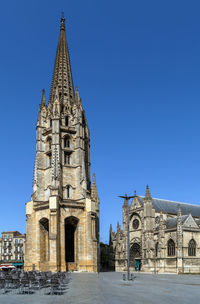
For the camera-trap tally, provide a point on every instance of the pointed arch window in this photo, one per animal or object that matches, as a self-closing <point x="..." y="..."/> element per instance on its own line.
<point x="68" y="193"/>
<point x="192" y="248"/>
<point x="171" y="248"/>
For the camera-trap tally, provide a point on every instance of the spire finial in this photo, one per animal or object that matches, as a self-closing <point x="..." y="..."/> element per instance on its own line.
<point x="43" y="102"/>
<point x="62" y="75"/>
<point x="62" y="22"/>
<point x="179" y="210"/>
<point x="94" y="193"/>
<point x="147" y="194"/>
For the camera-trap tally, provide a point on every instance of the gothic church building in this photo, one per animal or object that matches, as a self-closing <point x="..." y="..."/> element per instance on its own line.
<point x="164" y="236"/>
<point x="63" y="214"/>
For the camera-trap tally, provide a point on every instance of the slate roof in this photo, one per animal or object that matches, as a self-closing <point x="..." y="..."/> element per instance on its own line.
<point x="172" y="222"/>
<point x="171" y="207"/>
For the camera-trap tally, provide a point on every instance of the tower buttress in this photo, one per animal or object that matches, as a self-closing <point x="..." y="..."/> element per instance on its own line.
<point x="149" y="225"/>
<point x="179" y="240"/>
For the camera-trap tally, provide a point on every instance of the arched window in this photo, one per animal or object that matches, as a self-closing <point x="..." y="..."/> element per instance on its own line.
<point x="66" y="121"/>
<point x="171" y="248"/>
<point x="156" y="249"/>
<point x="192" y="248"/>
<point x="66" y="142"/>
<point x="44" y="239"/>
<point x="68" y="191"/>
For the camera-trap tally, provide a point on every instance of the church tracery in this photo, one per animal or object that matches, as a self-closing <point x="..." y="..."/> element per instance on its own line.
<point x="192" y="248"/>
<point x="171" y="248"/>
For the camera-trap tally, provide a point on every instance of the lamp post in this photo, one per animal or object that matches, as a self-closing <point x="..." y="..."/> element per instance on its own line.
<point x="127" y="198"/>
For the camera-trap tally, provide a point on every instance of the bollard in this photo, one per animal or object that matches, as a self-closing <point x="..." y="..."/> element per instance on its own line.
<point x="124" y="277"/>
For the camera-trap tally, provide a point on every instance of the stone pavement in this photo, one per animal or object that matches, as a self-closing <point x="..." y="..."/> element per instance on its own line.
<point x="109" y="288"/>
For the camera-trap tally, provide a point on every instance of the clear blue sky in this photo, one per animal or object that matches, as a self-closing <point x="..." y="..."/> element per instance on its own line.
<point x="137" y="66"/>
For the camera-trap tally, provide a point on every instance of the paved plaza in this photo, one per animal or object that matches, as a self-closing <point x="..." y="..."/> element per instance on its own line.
<point x="109" y="288"/>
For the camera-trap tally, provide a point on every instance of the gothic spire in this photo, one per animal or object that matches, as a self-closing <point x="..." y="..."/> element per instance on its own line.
<point x="43" y="101"/>
<point x="77" y="97"/>
<point x="62" y="76"/>
<point x="147" y="194"/>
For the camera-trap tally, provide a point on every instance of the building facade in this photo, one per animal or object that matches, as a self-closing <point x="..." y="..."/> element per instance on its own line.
<point x="63" y="214"/>
<point x="164" y="236"/>
<point x="12" y="248"/>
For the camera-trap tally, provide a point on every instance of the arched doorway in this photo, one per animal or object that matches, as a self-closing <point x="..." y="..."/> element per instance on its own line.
<point x="70" y="239"/>
<point x="135" y="256"/>
<point x="44" y="239"/>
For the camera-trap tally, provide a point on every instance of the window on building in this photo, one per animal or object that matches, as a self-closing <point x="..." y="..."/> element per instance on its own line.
<point x="68" y="191"/>
<point x="66" y="121"/>
<point x="66" y="158"/>
<point x="49" y="141"/>
<point x="49" y="159"/>
<point x="156" y="249"/>
<point x="192" y="248"/>
<point x="135" y="224"/>
<point x="66" y="142"/>
<point x="171" y="248"/>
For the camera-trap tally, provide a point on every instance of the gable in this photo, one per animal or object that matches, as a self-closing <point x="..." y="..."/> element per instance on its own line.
<point x="135" y="204"/>
<point x="190" y="222"/>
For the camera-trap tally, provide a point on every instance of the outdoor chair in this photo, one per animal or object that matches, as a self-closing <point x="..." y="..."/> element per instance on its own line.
<point x="25" y="286"/>
<point x="2" y="284"/>
<point x="56" y="287"/>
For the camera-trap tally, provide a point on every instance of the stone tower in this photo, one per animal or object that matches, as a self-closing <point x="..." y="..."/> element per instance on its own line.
<point x="63" y="214"/>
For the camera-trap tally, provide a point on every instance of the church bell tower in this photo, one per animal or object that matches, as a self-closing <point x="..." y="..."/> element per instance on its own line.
<point x="63" y="214"/>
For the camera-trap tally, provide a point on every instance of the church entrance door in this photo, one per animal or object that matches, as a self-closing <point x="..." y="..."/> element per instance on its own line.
<point x="137" y="265"/>
<point x="135" y="256"/>
<point x="70" y="242"/>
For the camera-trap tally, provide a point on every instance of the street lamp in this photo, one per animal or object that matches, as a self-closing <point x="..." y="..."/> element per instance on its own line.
<point x="127" y="198"/>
